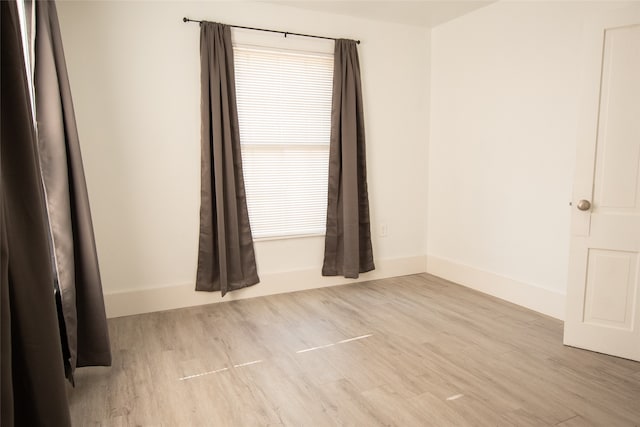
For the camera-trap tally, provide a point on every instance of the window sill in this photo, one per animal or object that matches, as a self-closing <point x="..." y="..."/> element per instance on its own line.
<point x="294" y="236"/>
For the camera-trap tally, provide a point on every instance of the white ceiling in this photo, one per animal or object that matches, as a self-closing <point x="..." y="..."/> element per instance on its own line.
<point x="423" y="13"/>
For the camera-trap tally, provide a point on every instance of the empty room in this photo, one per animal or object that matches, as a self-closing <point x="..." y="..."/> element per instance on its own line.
<point x="318" y="213"/>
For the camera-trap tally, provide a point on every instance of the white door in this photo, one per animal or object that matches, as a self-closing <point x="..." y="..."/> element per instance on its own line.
<point x="603" y="294"/>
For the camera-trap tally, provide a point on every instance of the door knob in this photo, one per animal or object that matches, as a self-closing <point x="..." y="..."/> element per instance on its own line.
<point x="584" y="205"/>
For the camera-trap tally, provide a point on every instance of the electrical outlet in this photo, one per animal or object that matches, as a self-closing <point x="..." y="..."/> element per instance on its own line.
<point x="384" y="229"/>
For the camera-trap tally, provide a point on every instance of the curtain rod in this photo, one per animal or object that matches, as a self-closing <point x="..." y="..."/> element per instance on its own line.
<point x="286" y="33"/>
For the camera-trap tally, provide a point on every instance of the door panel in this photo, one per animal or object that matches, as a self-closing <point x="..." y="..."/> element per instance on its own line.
<point x="603" y="298"/>
<point x="611" y="284"/>
<point x="618" y="143"/>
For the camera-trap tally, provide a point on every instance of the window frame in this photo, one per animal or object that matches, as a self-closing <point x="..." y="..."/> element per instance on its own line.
<point x="273" y="42"/>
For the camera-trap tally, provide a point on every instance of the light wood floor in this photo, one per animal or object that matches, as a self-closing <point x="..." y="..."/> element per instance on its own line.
<point x="410" y="351"/>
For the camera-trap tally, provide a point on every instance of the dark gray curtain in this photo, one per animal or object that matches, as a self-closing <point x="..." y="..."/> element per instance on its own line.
<point x="31" y="365"/>
<point x="76" y="261"/>
<point x="347" y="250"/>
<point x="226" y="259"/>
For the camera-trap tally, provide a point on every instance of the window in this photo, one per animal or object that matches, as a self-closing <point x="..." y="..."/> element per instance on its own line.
<point x="284" y="111"/>
<point x="26" y="22"/>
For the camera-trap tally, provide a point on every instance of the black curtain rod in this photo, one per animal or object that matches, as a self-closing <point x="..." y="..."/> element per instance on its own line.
<point x="286" y="33"/>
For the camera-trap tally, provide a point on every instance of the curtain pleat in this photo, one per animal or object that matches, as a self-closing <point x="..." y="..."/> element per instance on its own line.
<point x="226" y="259"/>
<point x="69" y="214"/>
<point x="348" y="251"/>
<point x="31" y="365"/>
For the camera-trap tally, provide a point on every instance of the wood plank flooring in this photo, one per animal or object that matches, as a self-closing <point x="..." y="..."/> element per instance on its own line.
<point x="408" y="351"/>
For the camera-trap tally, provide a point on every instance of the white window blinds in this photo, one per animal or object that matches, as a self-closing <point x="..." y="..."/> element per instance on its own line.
<point x="284" y="111"/>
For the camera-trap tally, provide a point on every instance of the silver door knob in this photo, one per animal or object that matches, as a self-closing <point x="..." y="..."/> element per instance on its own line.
<point x="584" y="205"/>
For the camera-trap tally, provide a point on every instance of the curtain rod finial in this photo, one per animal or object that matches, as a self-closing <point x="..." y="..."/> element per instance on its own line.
<point x="185" y="19"/>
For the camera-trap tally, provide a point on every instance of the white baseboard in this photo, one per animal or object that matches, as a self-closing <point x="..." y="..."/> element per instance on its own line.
<point x="125" y="303"/>
<point x="545" y="301"/>
<point x="549" y="302"/>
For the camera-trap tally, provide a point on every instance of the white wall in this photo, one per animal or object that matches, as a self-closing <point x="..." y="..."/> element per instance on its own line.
<point x="505" y="92"/>
<point x="134" y="73"/>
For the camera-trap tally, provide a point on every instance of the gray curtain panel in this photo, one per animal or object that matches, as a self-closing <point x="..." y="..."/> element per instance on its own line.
<point x="76" y="261"/>
<point x="347" y="250"/>
<point x="226" y="259"/>
<point x="31" y="365"/>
